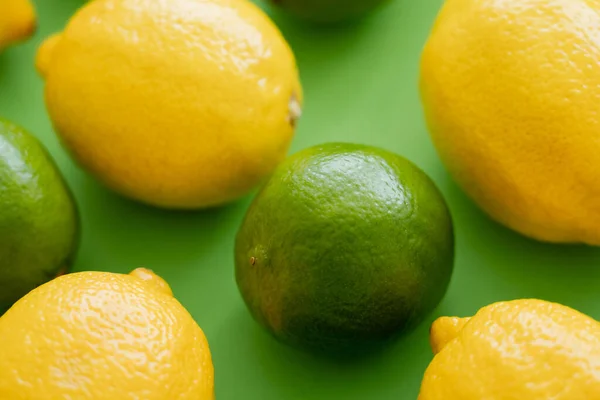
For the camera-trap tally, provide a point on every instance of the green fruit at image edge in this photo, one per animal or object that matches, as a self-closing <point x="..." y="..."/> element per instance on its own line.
<point x="328" y="11"/>
<point x="344" y="248"/>
<point x="39" y="224"/>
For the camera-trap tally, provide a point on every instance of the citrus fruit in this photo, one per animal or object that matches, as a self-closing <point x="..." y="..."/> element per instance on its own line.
<point x="103" y="336"/>
<point x="327" y="11"/>
<point x="17" y="21"/>
<point x="510" y="91"/>
<point x="39" y="222"/>
<point x="522" y="349"/>
<point x="345" y="247"/>
<point x="179" y="104"/>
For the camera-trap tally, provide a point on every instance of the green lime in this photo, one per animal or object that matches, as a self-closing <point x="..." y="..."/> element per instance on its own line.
<point x="345" y="247"/>
<point x="327" y="11"/>
<point x="39" y="225"/>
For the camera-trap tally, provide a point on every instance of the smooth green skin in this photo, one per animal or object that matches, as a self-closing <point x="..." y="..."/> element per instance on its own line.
<point x="345" y="247"/>
<point x="39" y="223"/>
<point x="328" y="11"/>
<point x="361" y="86"/>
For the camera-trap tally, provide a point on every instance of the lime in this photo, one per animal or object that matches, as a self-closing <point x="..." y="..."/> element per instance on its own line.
<point x="39" y="225"/>
<point x="345" y="247"/>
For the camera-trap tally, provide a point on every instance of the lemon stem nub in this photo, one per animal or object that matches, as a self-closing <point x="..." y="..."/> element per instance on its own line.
<point x="44" y="54"/>
<point x="151" y="278"/>
<point x="444" y="330"/>
<point x="294" y="110"/>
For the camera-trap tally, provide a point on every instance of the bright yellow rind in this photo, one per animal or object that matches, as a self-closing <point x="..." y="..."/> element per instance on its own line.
<point x="17" y="21"/>
<point x="522" y="349"/>
<point x="178" y="104"/>
<point x="510" y="92"/>
<point x="103" y="336"/>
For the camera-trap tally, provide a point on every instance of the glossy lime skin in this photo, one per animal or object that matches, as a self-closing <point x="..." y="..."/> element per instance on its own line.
<point x="328" y="11"/>
<point x="39" y="223"/>
<point x="344" y="248"/>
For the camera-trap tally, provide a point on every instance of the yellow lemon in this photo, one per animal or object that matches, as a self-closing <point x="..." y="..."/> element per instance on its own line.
<point x="511" y="91"/>
<point x="103" y="336"/>
<point x="516" y="350"/>
<point x="176" y="103"/>
<point x="17" y="21"/>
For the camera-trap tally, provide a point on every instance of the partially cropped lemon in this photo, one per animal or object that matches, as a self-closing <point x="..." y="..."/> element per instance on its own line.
<point x="103" y="336"/>
<point x="511" y="91"/>
<point x="17" y="21"/>
<point x="516" y="350"/>
<point x="176" y="103"/>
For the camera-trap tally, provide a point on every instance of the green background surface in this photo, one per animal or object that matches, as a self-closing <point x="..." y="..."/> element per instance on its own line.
<point x="361" y="86"/>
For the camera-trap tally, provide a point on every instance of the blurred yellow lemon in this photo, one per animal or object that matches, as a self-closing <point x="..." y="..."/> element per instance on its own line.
<point x="511" y="92"/>
<point x="178" y="103"/>
<point x="103" y="336"/>
<point x="522" y="349"/>
<point x="17" y="21"/>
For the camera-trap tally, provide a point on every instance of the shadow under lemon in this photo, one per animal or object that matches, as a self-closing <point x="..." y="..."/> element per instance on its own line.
<point x="134" y="234"/>
<point x="503" y="265"/>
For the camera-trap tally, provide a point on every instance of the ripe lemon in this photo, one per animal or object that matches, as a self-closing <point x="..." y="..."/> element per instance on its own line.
<point x="178" y="103"/>
<point x="103" y="336"/>
<point x="522" y="349"/>
<point x="511" y="91"/>
<point x="17" y="21"/>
